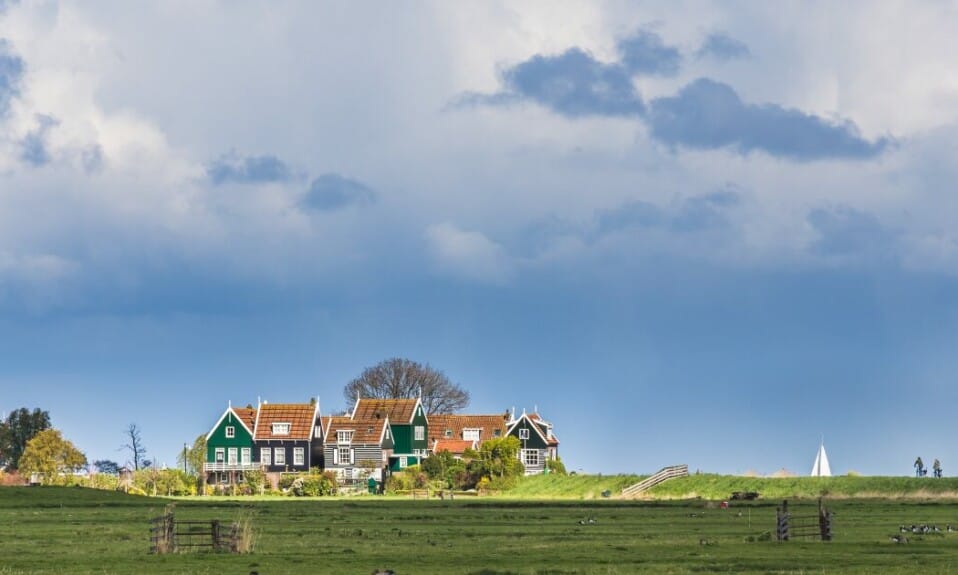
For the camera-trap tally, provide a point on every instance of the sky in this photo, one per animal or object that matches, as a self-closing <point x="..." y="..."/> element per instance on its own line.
<point x="686" y="232"/>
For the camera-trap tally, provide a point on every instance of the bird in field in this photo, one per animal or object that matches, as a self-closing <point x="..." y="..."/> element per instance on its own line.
<point x="899" y="539"/>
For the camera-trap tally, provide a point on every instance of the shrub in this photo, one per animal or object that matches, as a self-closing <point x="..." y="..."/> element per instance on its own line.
<point x="312" y="484"/>
<point x="555" y="466"/>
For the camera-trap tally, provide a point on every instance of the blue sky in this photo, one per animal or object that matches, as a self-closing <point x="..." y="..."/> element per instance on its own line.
<point x="689" y="232"/>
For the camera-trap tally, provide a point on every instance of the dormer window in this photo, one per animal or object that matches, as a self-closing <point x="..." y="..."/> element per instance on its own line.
<point x="470" y="434"/>
<point x="448" y="433"/>
<point x="496" y="432"/>
<point x="524" y="433"/>
<point x="230" y="432"/>
<point x="281" y="428"/>
<point x="344" y="436"/>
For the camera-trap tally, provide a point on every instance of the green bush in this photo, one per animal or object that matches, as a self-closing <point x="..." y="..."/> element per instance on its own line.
<point x="555" y="466"/>
<point x="312" y="484"/>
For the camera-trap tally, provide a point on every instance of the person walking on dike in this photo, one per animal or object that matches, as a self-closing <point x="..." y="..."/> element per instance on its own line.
<point x="919" y="467"/>
<point x="936" y="467"/>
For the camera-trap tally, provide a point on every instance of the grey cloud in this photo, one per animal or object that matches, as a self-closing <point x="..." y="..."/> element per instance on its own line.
<point x="694" y="214"/>
<point x="573" y="84"/>
<point x="721" y="46"/>
<point x="33" y="147"/>
<point x="11" y="70"/>
<point x="331" y="192"/>
<point x="845" y="231"/>
<point x="248" y="170"/>
<point x="707" y="115"/>
<point x="645" y="53"/>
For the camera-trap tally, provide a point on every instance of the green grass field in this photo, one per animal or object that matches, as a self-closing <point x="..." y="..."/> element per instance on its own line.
<point x="72" y="530"/>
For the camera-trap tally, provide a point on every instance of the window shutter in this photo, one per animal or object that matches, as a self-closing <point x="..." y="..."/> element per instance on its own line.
<point x="352" y="455"/>
<point x="335" y="456"/>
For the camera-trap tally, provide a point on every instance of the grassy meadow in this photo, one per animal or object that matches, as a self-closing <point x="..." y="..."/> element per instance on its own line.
<point x="80" y="531"/>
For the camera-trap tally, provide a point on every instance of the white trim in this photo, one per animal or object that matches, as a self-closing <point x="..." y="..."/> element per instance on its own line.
<point x="531" y="423"/>
<point x="301" y="452"/>
<point x="222" y="417"/>
<point x="268" y="453"/>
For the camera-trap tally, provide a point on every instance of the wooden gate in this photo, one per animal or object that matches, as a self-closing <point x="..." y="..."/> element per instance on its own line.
<point x="810" y="526"/>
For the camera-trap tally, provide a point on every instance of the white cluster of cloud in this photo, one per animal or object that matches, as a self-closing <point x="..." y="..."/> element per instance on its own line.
<point x="284" y="142"/>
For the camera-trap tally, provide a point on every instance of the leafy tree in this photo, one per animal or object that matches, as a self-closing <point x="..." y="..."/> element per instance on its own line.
<point x="499" y="461"/>
<point x="19" y="428"/>
<point x="195" y="456"/>
<point x="444" y="467"/>
<point x="50" y="455"/>
<point x="399" y="378"/>
<point x="106" y="466"/>
<point x="135" y="446"/>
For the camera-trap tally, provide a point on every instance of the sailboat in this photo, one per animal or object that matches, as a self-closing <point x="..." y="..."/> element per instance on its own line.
<point x="821" y="468"/>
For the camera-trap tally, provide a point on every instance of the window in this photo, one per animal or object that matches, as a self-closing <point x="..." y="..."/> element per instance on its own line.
<point x="220" y="455"/>
<point x="524" y="433"/>
<point x="530" y="457"/>
<point x="344" y="436"/>
<point x="470" y="434"/>
<point x="448" y="433"/>
<point x="265" y="456"/>
<point x="279" y="456"/>
<point x="246" y="455"/>
<point x="299" y="456"/>
<point x="403" y="462"/>
<point x="231" y="456"/>
<point x="281" y="429"/>
<point x="496" y="432"/>
<point x="387" y="433"/>
<point x="230" y="432"/>
<point x="345" y="455"/>
<point x="317" y="432"/>
<point x="420" y="433"/>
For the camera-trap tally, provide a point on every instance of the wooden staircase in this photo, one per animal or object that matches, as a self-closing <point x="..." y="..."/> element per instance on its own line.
<point x="663" y="474"/>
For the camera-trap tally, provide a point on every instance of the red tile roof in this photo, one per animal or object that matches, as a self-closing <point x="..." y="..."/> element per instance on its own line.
<point x="247" y="415"/>
<point x="298" y="415"/>
<point x="399" y="411"/>
<point x="453" y="446"/>
<point x="366" y="432"/>
<point x="486" y="424"/>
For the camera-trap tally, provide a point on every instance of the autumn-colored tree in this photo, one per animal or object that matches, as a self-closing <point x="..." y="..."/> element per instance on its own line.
<point x="16" y="430"/>
<point x="51" y="456"/>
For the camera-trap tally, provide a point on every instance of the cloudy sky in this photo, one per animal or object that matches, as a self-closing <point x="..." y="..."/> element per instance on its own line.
<point x="688" y="232"/>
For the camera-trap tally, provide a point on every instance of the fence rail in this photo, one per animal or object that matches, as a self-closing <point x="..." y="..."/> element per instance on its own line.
<point x="664" y="474"/>
<point x="231" y="466"/>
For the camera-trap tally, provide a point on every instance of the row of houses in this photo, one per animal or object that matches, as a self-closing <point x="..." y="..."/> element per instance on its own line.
<point x="378" y="437"/>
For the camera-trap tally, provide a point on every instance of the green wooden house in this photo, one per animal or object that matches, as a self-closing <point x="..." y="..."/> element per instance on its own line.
<point x="229" y="446"/>
<point x="410" y="427"/>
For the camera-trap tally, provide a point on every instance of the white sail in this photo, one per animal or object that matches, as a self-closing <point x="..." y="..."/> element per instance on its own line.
<point x="821" y="467"/>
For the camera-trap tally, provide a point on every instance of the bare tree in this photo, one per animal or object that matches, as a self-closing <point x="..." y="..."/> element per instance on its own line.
<point x="135" y="446"/>
<point x="399" y="378"/>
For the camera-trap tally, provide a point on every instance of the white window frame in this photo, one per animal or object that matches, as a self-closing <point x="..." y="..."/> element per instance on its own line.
<point x="471" y="434"/>
<point x="419" y="433"/>
<point x="299" y="456"/>
<point x="403" y="462"/>
<point x="447" y="434"/>
<point x="219" y="455"/>
<point x="524" y="433"/>
<point x="265" y="456"/>
<point x="281" y="428"/>
<point x="317" y="432"/>
<point x="232" y="456"/>
<point x="246" y="456"/>
<point x="279" y="456"/>
<point x="387" y="433"/>
<point x="345" y="455"/>
<point x="531" y="457"/>
<point x="344" y="436"/>
<point x="230" y="432"/>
